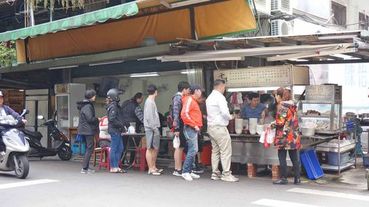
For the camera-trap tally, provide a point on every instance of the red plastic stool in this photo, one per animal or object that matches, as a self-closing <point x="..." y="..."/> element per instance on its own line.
<point x="140" y="160"/>
<point x="206" y="154"/>
<point x="104" y="161"/>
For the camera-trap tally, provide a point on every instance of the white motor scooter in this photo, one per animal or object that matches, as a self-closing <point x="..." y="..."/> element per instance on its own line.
<point x="17" y="147"/>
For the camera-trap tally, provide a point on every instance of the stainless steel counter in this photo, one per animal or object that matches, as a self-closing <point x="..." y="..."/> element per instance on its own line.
<point x="247" y="149"/>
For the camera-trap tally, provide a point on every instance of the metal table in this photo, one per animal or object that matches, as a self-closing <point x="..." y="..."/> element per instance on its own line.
<point x="135" y="139"/>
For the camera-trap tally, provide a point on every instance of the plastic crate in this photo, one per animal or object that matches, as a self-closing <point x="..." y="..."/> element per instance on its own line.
<point x="333" y="158"/>
<point x="311" y="164"/>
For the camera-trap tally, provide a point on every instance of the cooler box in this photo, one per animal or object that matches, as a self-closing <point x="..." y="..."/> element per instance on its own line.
<point x="311" y="164"/>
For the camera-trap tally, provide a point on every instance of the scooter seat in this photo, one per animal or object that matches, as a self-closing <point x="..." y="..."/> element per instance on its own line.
<point x="33" y="134"/>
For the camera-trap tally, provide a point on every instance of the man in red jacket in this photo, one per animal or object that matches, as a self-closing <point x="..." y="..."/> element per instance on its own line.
<point x="192" y="119"/>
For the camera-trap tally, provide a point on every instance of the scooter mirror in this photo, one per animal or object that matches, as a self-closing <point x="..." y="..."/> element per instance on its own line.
<point x="40" y="117"/>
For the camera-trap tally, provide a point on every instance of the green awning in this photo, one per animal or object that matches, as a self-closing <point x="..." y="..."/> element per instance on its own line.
<point x="116" y="12"/>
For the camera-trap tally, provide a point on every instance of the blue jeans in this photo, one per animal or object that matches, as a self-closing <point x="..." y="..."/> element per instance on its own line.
<point x="192" y="144"/>
<point x="116" y="150"/>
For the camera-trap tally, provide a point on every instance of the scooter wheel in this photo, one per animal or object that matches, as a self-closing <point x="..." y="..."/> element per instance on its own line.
<point x="21" y="167"/>
<point x="65" y="153"/>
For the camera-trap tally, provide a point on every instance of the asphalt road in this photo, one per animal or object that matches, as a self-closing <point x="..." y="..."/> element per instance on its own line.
<point x="57" y="183"/>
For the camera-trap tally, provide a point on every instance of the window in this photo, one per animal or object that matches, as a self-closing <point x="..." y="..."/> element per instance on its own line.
<point x="363" y="21"/>
<point x="339" y="14"/>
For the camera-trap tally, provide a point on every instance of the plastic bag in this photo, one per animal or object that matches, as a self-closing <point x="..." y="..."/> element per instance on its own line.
<point x="176" y="142"/>
<point x="267" y="137"/>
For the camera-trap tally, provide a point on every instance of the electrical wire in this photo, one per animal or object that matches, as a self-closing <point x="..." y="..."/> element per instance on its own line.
<point x="260" y="29"/>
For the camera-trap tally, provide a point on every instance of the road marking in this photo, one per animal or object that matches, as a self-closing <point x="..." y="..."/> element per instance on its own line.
<point x="26" y="183"/>
<point x="278" y="203"/>
<point x="329" y="193"/>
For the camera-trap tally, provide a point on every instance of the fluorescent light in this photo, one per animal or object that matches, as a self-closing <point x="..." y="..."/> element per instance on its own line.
<point x="141" y="75"/>
<point x="185" y="72"/>
<point x="148" y="58"/>
<point x="210" y="59"/>
<point x="252" y="89"/>
<point x="345" y="57"/>
<point x="106" y="63"/>
<point x="298" y="60"/>
<point x="63" y="67"/>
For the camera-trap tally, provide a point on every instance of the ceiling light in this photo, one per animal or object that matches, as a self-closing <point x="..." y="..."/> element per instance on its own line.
<point x="185" y="72"/>
<point x="63" y="67"/>
<point x="106" y="63"/>
<point x="141" y="75"/>
<point x="298" y="60"/>
<point x="206" y="59"/>
<point x="345" y="57"/>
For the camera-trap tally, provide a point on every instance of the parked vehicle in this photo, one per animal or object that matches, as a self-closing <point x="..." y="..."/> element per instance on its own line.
<point x="60" y="143"/>
<point x="17" y="147"/>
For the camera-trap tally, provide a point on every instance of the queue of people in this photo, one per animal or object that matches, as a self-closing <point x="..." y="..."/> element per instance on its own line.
<point x="189" y="115"/>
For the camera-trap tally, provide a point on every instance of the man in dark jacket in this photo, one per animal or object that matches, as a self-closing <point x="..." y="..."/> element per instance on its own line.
<point x="4" y="111"/>
<point x="132" y="112"/>
<point x="88" y="127"/>
<point x="115" y="129"/>
<point x="183" y="90"/>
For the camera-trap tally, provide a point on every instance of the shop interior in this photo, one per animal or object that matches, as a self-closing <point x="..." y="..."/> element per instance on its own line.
<point x="131" y="84"/>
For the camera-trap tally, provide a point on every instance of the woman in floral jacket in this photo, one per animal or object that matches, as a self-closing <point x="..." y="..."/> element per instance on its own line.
<point x="287" y="134"/>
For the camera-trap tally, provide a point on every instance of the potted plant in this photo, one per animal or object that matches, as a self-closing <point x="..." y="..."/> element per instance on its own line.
<point x="7" y="54"/>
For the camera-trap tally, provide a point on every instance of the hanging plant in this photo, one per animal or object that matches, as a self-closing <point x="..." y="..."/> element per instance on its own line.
<point x="66" y="4"/>
<point x="7" y="54"/>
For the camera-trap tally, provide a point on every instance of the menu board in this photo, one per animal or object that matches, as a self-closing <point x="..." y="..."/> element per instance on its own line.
<point x="264" y="76"/>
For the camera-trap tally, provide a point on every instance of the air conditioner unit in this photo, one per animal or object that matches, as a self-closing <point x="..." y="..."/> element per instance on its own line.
<point x="281" y="6"/>
<point x="262" y="6"/>
<point x="280" y="27"/>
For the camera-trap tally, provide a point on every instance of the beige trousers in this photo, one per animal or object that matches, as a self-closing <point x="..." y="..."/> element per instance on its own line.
<point x="222" y="149"/>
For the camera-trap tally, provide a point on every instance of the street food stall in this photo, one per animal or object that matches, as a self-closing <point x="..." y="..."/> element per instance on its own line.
<point x="319" y="114"/>
<point x="238" y="61"/>
<point x="245" y="143"/>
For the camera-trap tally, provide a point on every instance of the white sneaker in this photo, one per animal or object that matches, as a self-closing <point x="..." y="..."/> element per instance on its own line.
<point x="187" y="176"/>
<point x="177" y="173"/>
<point x="195" y="176"/>
<point x="90" y="171"/>
<point x="229" y="178"/>
<point x="215" y="176"/>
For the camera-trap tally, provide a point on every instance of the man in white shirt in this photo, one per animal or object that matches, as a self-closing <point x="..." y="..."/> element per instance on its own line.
<point x="218" y="120"/>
